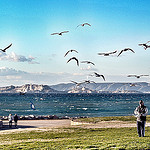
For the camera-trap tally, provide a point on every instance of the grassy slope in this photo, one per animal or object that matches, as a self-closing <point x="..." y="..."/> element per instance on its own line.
<point x="118" y="118"/>
<point x="77" y="138"/>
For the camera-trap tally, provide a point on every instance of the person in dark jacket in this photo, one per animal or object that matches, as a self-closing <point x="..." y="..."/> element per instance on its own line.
<point x="15" y="119"/>
<point x="140" y="112"/>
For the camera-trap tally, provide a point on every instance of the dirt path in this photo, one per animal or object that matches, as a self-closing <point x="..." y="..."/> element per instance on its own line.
<point x="29" y="125"/>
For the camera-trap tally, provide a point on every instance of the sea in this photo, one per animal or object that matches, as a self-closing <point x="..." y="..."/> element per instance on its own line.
<point x="72" y="105"/>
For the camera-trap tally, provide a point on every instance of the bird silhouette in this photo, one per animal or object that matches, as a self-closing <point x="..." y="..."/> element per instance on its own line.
<point x="99" y="75"/>
<point x="88" y="81"/>
<point x="126" y="49"/>
<point x="83" y="25"/>
<point x="88" y="62"/>
<point x="60" y="33"/>
<point x="72" y="50"/>
<point x="108" y="53"/>
<point x="74" y="58"/>
<point x="145" y="45"/>
<point x="77" y="84"/>
<point x="137" y="76"/>
<point x="4" y="50"/>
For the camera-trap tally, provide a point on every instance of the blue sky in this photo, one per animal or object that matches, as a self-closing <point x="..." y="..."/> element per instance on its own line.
<point x="36" y="56"/>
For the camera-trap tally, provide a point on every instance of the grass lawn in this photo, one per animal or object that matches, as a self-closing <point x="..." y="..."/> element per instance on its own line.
<point x="76" y="138"/>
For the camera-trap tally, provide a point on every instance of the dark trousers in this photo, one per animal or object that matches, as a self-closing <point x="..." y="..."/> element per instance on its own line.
<point x="15" y="123"/>
<point x="10" y="124"/>
<point x="141" y="128"/>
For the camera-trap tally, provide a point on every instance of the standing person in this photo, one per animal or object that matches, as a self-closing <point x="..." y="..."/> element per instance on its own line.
<point x="141" y="112"/>
<point x="15" y="120"/>
<point x="10" y="119"/>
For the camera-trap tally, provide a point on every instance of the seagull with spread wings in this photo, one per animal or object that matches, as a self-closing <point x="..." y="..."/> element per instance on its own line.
<point x="60" y="33"/>
<point x="145" y="45"/>
<point x="126" y="49"/>
<point x="77" y="84"/>
<point x="83" y="24"/>
<point x="74" y="58"/>
<point x="72" y="50"/>
<point x="108" y="53"/>
<point x="88" y="62"/>
<point x="137" y="76"/>
<point x="99" y="75"/>
<point x="4" y="50"/>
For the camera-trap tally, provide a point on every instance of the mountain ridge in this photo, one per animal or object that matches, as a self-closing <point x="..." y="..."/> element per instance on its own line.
<point x="137" y="87"/>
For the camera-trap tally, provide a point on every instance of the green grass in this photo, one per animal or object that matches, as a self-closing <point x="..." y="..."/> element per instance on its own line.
<point x="112" y="118"/>
<point x="77" y="138"/>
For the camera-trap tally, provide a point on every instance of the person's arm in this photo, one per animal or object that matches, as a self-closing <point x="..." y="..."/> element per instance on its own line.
<point x="146" y="112"/>
<point x="136" y="112"/>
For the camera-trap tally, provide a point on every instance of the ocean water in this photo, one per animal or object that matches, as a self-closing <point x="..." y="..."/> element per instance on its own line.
<point x="72" y="105"/>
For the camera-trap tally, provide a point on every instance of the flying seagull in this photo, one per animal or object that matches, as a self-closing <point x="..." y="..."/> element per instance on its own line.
<point x="107" y="54"/>
<point x="72" y="50"/>
<point x="77" y="84"/>
<point x="99" y="75"/>
<point x="126" y="49"/>
<point x="4" y="50"/>
<point x="74" y="59"/>
<point x="60" y="33"/>
<point x="137" y="76"/>
<point x="145" y="45"/>
<point x="88" y="62"/>
<point x="88" y="81"/>
<point x="83" y="24"/>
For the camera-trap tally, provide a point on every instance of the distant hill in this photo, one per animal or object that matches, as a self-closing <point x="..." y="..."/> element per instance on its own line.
<point x="138" y="87"/>
<point x="28" y="88"/>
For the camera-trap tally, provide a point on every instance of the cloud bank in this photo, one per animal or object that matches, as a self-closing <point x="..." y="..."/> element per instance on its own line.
<point x="10" y="76"/>
<point x="17" y="58"/>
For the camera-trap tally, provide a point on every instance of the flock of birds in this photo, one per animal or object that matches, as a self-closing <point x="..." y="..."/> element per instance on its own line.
<point x="144" y="45"/>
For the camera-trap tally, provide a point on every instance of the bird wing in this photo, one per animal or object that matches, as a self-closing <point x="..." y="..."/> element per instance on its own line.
<point x="147" y="42"/>
<point x="74" y="50"/>
<point x="140" y="44"/>
<point x="120" y="53"/>
<point x="54" y="33"/>
<point x="103" y="77"/>
<point x="131" y="75"/>
<point x="97" y="74"/>
<point x="131" y="50"/>
<point x="101" y="53"/>
<point x="7" y="47"/>
<point x="64" y="31"/>
<point x="84" y="61"/>
<point x="74" y="59"/>
<point x="112" y="52"/>
<point x="70" y="51"/>
<point x="66" y="53"/>
<point x="78" y="25"/>
<point x="74" y="82"/>
<point x="87" y="24"/>
<point x="144" y="75"/>
<point x="91" y="63"/>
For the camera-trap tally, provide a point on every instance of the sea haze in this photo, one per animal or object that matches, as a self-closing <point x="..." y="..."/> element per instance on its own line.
<point x="72" y="105"/>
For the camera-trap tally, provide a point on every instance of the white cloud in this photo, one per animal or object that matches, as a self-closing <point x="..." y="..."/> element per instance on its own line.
<point x="10" y="76"/>
<point x="17" y="58"/>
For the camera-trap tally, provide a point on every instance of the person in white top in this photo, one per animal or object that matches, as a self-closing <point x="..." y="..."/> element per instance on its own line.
<point x="140" y="112"/>
<point x="10" y="119"/>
